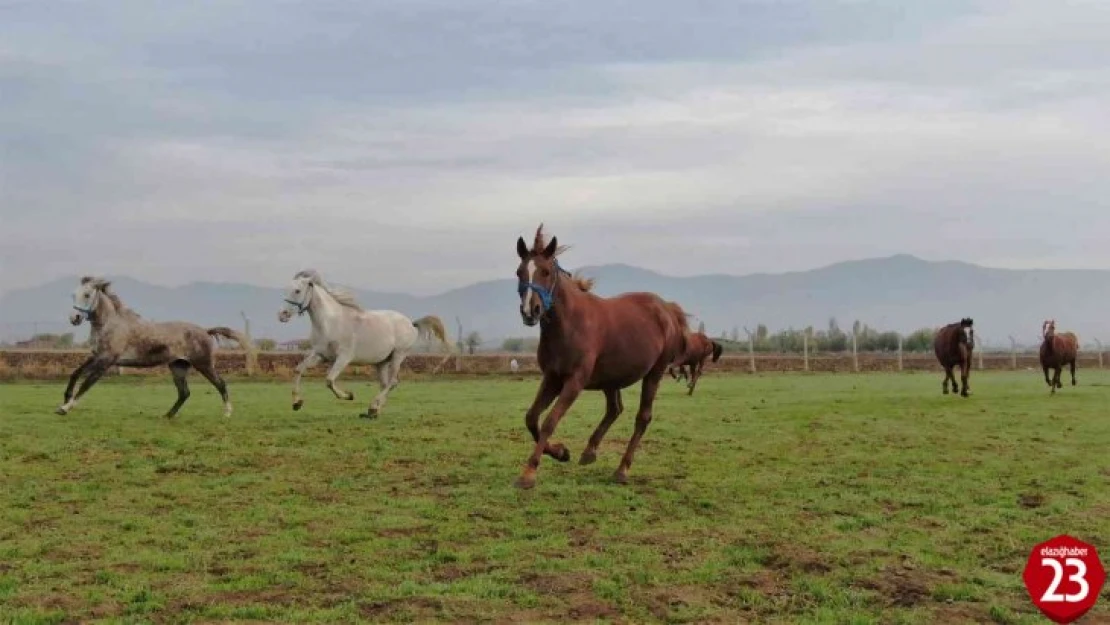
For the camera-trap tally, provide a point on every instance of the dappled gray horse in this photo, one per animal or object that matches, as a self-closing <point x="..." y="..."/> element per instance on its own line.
<point x="120" y="337"/>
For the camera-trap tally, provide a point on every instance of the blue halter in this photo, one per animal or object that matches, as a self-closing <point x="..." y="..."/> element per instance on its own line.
<point x="547" y="296"/>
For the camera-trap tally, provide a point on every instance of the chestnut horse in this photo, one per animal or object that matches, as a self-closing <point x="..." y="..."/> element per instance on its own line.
<point x="699" y="347"/>
<point x="589" y="342"/>
<point x="953" y="345"/>
<point x="1057" y="350"/>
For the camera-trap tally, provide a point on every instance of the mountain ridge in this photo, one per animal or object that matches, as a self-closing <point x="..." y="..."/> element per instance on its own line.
<point x="899" y="292"/>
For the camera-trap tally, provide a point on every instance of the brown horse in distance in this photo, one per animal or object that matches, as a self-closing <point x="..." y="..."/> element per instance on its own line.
<point x="699" y="348"/>
<point x="1057" y="351"/>
<point x="589" y="342"/>
<point x="953" y="345"/>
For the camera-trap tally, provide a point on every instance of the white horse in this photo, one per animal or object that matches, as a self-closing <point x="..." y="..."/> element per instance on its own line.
<point x="344" y="333"/>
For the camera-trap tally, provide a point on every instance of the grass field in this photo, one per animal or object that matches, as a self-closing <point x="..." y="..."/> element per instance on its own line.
<point x="780" y="498"/>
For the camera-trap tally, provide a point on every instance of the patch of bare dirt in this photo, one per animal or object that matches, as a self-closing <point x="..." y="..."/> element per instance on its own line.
<point x="1031" y="500"/>
<point x="904" y="588"/>
<point x="378" y="611"/>
<point x="796" y="559"/>
<point x="454" y="572"/>
<point x="272" y="596"/>
<point x="400" y="532"/>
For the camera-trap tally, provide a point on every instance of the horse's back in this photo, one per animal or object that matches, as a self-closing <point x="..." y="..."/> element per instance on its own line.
<point x="397" y="325"/>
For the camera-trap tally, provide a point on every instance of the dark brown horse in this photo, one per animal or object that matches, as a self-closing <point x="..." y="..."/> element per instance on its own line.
<point x="699" y="348"/>
<point x="1057" y="351"/>
<point x="953" y="345"/>
<point x="589" y="342"/>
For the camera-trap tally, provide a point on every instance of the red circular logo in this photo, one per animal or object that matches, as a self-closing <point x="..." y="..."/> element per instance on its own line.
<point x="1064" y="578"/>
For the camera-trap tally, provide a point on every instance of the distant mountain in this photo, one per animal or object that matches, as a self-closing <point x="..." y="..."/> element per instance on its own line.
<point x="899" y="292"/>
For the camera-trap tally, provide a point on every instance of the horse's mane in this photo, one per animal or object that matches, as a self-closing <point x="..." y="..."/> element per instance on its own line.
<point x="104" y="286"/>
<point x="539" y="243"/>
<point x="341" y="295"/>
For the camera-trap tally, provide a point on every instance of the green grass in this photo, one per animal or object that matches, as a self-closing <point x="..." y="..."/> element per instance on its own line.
<point x="780" y="498"/>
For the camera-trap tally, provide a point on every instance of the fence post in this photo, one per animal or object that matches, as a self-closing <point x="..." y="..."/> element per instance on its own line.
<point x="1013" y="353"/>
<point x="855" y="353"/>
<point x="805" y="351"/>
<point x="900" y="352"/>
<point x="751" y="350"/>
<point x="980" y="350"/>
<point x="1099" y="343"/>
<point x="250" y="362"/>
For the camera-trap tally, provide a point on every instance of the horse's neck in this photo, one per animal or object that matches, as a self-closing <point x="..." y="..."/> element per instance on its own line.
<point x="326" y="313"/>
<point x="567" y="302"/>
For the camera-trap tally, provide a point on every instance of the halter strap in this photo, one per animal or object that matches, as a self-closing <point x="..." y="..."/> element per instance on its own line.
<point x="301" y="306"/>
<point x="547" y="296"/>
<point x="89" y="312"/>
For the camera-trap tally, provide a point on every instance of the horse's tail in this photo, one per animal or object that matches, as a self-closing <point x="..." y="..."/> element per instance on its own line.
<point x="432" y="326"/>
<point x="717" y="349"/>
<point x="236" y="336"/>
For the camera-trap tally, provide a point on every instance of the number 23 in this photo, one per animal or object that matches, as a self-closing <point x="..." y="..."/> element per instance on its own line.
<point x="1080" y="577"/>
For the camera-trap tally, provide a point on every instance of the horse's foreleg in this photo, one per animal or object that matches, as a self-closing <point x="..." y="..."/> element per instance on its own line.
<point x="67" y="397"/>
<point x="311" y="359"/>
<point x="97" y="368"/>
<point x="180" y="370"/>
<point x="337" y="366"/>
<point x="1047" y="379"/>
<point x="545" y="394"/>
<point x="643" y="418"/>
<point x="613" y="409"/>
<point x="965" y="366"/>
<point x="567" y="394"/>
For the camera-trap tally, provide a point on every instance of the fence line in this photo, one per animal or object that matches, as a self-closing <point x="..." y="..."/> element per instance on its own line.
<point x="48" y="364"/>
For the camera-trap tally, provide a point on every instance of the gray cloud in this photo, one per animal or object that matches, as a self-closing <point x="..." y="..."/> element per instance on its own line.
<point x="404" y="146"/>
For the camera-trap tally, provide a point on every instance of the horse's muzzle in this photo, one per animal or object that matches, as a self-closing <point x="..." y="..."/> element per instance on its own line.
<point x="530" y="318"/>
<point x="76" y="319"/>
<point x="284" y="315"/>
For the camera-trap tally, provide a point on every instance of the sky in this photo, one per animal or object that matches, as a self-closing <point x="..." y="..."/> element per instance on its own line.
<point x="405" y="145"/>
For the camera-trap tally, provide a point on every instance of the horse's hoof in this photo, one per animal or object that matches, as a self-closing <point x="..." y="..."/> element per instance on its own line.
<point x="61" y="411"/>
<point x="620" y="477"/>
<point x="297" y="404"/>
<point x="369" y="414"/>
<point x="350" y="396"/>
<point x="589" y="456"/>
<point x="525" y="482"/>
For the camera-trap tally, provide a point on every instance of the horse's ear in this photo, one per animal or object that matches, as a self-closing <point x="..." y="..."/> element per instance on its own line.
<point x="549" y="251"/>
<point x="521" y="248"/>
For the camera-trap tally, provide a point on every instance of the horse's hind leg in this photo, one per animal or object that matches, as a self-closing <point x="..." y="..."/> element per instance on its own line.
<point x="1072" y="366"/>
<point x="695" y="375"/>
<point x="209" y="373"/>
<point x="388" y="377"/>
<point x="947" y="376"/>
<point x="643" y="419"/>
<point x="613" y="409"/>
<point x="180" y="371"/>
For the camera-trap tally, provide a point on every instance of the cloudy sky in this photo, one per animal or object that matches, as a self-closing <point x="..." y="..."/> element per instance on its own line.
<point x="405" y="145"/>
